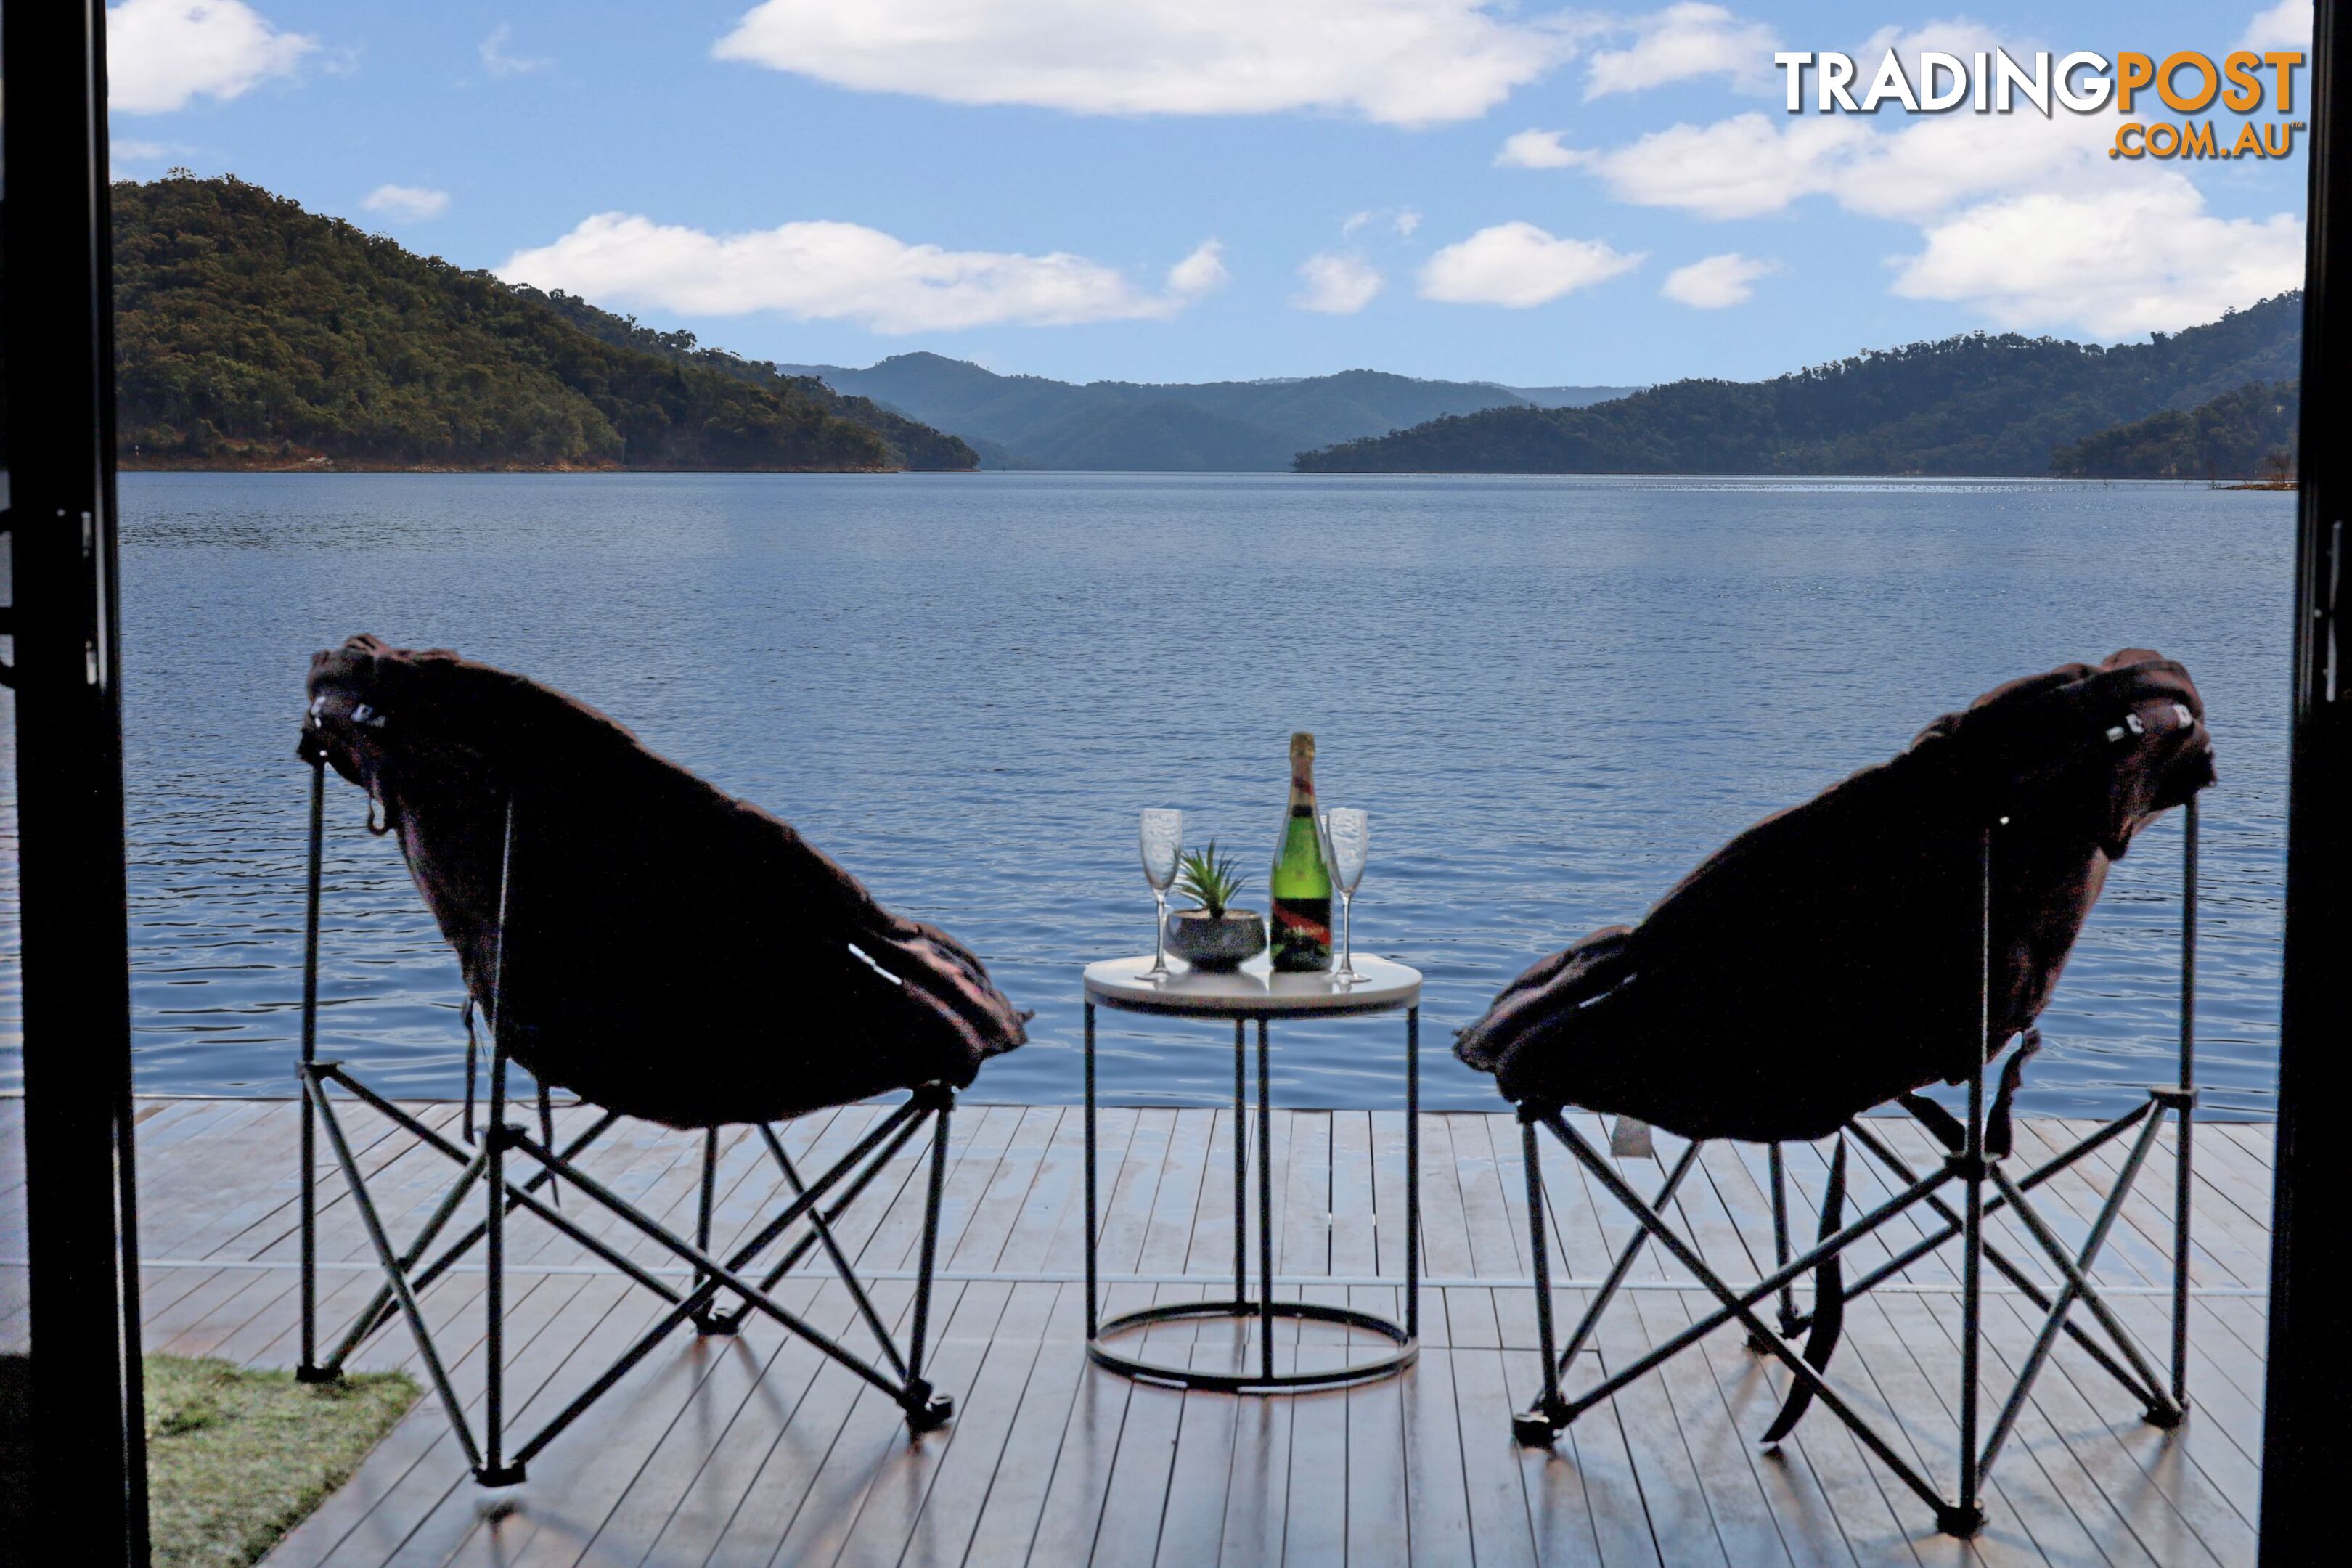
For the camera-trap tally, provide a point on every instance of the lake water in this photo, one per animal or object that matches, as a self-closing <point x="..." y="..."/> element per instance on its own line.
<point x="1553" y="696"/>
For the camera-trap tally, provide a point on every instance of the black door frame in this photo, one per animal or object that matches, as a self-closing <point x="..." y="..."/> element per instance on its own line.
<point x="89" y="1460"/>
<point x="2307" y="1426"/>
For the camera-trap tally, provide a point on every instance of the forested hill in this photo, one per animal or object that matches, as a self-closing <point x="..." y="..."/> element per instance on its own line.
<point x="1972" y="405"/>
<point x="250" y="333"/>
<point x="915" y="446"/>
<point x="2248" y="434"/>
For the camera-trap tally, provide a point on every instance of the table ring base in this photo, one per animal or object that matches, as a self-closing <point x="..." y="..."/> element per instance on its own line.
<point x="1257" y="1381"/>
<point x="1256" y="995"/>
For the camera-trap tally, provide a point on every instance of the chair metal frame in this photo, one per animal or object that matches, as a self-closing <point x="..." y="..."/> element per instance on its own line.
<point x="1977" y="1163"/>
<point x="483" y="1166"/>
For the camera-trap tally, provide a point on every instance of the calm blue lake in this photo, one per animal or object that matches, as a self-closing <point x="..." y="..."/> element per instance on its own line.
<point x="1551" y="695"/>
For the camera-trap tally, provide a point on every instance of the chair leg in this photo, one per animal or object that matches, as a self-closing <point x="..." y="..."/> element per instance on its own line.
<point x="2183" y="1100"/>
<point x="928" y="1411"/>
<point x="1790" y="1321"/>
<point x="822" y="1228"/>
<point x="1625" y="1264"/>
<point x="706" y="1320"/>
<point x="1540" y="1424"/>
<point x="2162" y="1412"/>
<point x="1859" y="1129"/>
<point x="364" y="1203"/>
<point x="1734" y="1305"/>
<point x="496" y="1469"/>
<point x="492" y="1461"/>
<point x="307" y="1370"/>
<point x="1965" y="1516"/>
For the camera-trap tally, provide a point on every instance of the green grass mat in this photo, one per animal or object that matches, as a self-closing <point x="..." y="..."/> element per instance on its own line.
<point x="237" y="1458"/>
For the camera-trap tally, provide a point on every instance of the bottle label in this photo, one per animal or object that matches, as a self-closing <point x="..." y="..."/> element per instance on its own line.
<point x="1302" y="934"/>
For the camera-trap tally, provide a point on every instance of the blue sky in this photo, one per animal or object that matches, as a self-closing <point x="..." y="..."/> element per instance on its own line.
<point x="1179" y="190"/>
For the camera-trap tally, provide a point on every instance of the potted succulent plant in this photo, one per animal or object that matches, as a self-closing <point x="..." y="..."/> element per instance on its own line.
<point x="1214" y="936"/>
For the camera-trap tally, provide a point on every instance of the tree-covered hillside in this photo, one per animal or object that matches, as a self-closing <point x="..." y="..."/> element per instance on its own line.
<point x="912" y="445"/>
<point x="249" y="332"/>
<point x="1973" y="404"/>
<point x="2242" y="435"/>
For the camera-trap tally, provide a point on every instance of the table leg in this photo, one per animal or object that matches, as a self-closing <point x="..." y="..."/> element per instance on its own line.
<point x="1241" y="1168"/>
<point x="1413" y="1172"/>
<point x="1264" y="1209"/>
<point x="1091" y="1315"/>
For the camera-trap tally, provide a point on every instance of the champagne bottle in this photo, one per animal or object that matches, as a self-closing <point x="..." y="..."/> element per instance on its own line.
<point x="1300" y="885"/>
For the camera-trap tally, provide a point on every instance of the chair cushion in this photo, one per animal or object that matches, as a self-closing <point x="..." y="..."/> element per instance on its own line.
<point x="1827" y="959"/>
<point x="670" y="951"/>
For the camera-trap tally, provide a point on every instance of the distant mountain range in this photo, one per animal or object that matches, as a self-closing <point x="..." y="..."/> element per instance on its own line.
<point x="1978" y="403"/>
<point x="252" y="334"/>
<point x="1031" y="422"/>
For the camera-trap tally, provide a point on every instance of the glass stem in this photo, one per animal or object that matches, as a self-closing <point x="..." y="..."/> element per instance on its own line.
<point x="1159" y="932"/>
<point x="1348" y="933"/>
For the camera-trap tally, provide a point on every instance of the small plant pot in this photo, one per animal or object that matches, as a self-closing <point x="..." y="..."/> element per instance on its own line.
<point x="1216" y="942"/>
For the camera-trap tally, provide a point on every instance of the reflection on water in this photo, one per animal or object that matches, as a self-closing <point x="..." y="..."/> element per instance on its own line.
<point x="1552" y="695"/>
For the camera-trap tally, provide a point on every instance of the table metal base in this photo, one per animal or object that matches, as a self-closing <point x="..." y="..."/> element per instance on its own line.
<point x="1243" y="1009"/>
<point x="1261" y="1381"/>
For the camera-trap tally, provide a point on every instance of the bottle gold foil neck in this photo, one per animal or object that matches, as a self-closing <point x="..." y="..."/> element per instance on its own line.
<point x="1302" y="746"/>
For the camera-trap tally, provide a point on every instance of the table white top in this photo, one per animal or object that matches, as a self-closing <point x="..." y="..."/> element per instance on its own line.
<point x="1253" y="991"/>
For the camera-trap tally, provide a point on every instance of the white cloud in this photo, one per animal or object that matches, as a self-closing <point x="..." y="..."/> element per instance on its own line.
<point x="161" y="53"/>
<point x="414" y="202"/>
<point x="1337" y="285"/>
<point x="1519" y="265"/>
<point x="1199" y="273"/>
<point x="1942" y="161"/>
<point x="2022" y="217"/>
<point x="1951" y="36"/>
<point x="1908" y="167"/>
<point x="1403" y="221"/>
<point x="2122" y="262"/>
<point x="1754" y="164"/>
<point x="1681" y="42"/>
<point x="846" y="272"/>
<point x="2025" y="219"/>
<point x="1400" y="62"/>
<point x="497" y="61"/>
<point x="1537" y="149"/>
<point x="1718" y="281"/>
<point x="1740" y="167"/>
<point x="120" y="149"/>
<point x="2286" y="26"/>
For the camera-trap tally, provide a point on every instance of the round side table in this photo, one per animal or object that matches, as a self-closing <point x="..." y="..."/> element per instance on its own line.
<point x="1254" y="993"/>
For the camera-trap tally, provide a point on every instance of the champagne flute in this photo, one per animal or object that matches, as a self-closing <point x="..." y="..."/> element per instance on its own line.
<point x="1163" y="841"/>
<point x="1349" y="834"/>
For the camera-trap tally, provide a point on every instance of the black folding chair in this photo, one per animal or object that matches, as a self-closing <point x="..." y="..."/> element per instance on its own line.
<point x="723" y="1289"/>
<point x="667" y="953"/>
<point x="1900" y="928"/>
<point x="1979" y="1155"/>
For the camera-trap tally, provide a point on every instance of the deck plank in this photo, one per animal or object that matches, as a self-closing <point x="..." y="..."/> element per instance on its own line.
<point x="1315" y="1529"/>
<point x="761" y="1450"/>
<point x="1600" y="1450"/>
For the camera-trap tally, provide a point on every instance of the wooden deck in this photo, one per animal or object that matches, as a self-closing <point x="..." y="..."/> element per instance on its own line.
<point x="756" y="1450"/>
